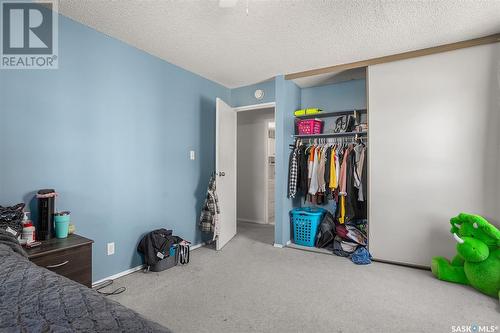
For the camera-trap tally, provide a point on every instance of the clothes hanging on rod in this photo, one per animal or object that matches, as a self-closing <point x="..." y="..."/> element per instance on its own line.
<point x="330" y="171"/>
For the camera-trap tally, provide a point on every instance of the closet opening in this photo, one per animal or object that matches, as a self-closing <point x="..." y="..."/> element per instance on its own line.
<point x="328" y="166"/>
<point x="256" y="173"/>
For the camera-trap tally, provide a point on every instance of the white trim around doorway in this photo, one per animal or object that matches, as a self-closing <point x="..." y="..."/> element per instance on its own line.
<point x="256" y="106"/>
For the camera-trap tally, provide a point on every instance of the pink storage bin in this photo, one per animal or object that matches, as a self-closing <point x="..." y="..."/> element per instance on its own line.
<point x="310" y="126"/>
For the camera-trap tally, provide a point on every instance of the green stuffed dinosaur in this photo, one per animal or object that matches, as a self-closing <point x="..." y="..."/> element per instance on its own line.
<point x="478" y="260"/>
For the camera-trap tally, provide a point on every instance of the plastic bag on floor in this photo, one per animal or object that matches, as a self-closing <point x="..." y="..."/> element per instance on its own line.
<point x="361" y="256"/>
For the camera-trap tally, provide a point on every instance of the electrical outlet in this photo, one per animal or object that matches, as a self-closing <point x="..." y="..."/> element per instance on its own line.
<point x="191" y="155"/>
<point x="111" y="248"/>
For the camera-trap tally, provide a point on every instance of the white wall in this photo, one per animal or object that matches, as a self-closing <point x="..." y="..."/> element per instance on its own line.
<point x="252" y="164"/>
<point x="434" y="150"/>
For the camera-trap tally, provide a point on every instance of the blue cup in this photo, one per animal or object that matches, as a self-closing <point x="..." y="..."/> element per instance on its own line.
<point x="61" y="225"/>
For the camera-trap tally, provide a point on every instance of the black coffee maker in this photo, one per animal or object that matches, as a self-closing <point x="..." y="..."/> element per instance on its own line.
<point x="46" y="205"/>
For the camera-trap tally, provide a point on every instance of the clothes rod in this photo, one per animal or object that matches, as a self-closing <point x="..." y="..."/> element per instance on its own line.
<point x="329" y="135"/>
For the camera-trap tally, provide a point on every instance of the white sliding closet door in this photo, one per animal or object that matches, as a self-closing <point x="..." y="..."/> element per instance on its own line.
<point x="434" y="145"/>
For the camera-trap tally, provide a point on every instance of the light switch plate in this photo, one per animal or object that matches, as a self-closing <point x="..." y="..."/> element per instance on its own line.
<point x="191" y="155"/>
<point x="111" y="248"/>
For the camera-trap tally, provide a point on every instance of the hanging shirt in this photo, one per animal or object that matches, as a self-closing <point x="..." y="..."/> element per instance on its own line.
<point x="337" y="167"/>
<point x="343" y="173"/>
<point x="321" y="170"/>
<point x="314" y="186"/>
<point x="310" y="162"/>
<point x="333" y="171"/>
<point x="328" y="155"/>
<point x="352" y="206"/>
<point x="303" y="181"/>
<point x="292" y="174"/>
<point x="358" y="151"/>
<point x="361" y="162"/>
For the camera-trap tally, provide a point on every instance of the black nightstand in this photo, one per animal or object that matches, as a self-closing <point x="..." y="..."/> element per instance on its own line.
<point x="70" y="257"/>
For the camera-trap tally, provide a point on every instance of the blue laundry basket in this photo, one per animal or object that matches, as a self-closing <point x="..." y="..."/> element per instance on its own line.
<point x="305" y="223"/>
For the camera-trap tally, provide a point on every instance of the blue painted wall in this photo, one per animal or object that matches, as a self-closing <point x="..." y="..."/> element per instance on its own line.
<point x="245" y="95"/>
<point x="111" y="131"/>
<point x="335" y="97"/>
<point x="287" y="101"/>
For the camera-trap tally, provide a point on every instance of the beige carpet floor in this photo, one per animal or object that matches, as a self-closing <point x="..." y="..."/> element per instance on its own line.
<point x="250" y="286"/>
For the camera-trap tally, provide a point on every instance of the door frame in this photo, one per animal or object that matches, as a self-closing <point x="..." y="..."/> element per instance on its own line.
<point x="254" y="107"/>
<point x="267" y="168"/>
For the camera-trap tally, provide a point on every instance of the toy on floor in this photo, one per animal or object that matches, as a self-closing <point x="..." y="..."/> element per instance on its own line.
<point x="478" y="260"/>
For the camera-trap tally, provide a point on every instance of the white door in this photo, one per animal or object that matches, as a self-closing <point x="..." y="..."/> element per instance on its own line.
<point x="225" y="167"/>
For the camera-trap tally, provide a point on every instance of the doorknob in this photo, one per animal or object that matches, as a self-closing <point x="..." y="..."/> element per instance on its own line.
<point x="222" y="173"/>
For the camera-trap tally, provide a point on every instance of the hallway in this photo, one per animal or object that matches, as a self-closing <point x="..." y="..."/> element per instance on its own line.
<point x="262" y="233"/>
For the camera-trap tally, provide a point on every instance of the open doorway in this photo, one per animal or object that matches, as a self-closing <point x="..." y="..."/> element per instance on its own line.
<point x="255" y="173"/>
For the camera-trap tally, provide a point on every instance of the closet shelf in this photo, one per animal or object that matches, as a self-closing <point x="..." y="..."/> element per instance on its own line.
<point x="330" y="114"/>
<point x="329" y="135"/>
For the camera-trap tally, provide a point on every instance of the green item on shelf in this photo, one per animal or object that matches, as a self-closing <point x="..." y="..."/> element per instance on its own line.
<point x="478" y="260"/>
<point x="313" y="111"/>
<point x="308" y="111"/>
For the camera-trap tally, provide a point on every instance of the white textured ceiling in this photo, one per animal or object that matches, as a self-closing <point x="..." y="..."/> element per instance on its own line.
<point x="278" y="37"/>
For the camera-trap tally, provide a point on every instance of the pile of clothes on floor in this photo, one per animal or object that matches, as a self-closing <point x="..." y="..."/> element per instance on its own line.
<point x="347" y="239"/>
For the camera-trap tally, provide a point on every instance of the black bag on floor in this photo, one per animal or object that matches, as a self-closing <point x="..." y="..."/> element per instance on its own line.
<point x="156" y="245"/>
<point x="326" y="231"/>
<point x="165" y="263"/>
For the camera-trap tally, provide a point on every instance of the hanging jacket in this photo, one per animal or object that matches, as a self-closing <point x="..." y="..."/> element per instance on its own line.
<point x="328" y="152"/>
<point x="355" y="209"/>
<point x="350" y="194"/>
<point x="364" y="181"/>
<point x="209" y="222"/>
<point x="293" y="173"/>
<point x="303" y="181"/>
<point x="156" y="245"/>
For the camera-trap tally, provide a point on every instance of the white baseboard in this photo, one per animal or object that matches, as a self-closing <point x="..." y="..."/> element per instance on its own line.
<point x="118" y="275"/>
<point x="280" y="246"/>
<point x="134" y="269"/>
<point x="197" y="246"/>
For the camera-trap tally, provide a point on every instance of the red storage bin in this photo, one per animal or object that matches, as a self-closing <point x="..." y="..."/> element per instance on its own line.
<point x="310" y="126"/>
